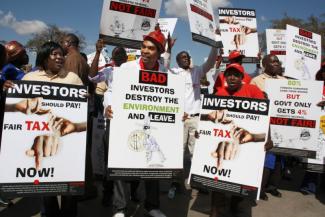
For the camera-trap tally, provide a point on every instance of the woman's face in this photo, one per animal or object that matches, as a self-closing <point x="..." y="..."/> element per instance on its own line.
<point x="55" y="61"/>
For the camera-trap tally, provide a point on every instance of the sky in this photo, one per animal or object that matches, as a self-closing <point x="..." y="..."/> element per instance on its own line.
<point x="19" y="18"/>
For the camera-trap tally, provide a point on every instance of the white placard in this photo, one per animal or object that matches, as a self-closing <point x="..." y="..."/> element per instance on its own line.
<point x="318" y="164"/>
<point x="303" y="52"/>
<point x="146" y="132"/>
<point x="241" y="166"/>
<point x="239" y="32"/>
<point x="167" y="25"/>
<point x="37" y="149"/>
<point x="125" y="23"/>
<point x="202" y="22"/>
<point x="294" y="115"/>
<point x="276" y="43"/>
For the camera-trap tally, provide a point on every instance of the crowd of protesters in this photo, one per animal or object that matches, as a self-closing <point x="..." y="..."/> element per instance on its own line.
<point x="62" y="62"/>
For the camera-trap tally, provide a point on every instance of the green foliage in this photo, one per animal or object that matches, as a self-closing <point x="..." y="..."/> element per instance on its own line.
<point x="53" y="33"/>
<point x="312" y="24"/>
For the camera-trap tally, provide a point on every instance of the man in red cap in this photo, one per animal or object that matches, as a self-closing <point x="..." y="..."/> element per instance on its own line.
<point x="234" y="57"/>
<point x="152" y="47"/>
<point x="234" y="75"/>
<point x="16" y="58"/>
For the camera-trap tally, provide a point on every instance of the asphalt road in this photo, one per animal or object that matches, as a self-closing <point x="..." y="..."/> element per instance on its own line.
<point x="192" y="203"/>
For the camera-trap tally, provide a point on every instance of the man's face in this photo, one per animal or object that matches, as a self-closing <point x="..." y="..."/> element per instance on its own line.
<point x="149" y="52"/>
<point x="184" y="61"/>
<point x="273" y="66"/>
<point x="234" y="79"/>
<point x="65" y="43"/>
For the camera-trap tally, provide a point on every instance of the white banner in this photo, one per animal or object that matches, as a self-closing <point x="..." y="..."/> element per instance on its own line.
<point x="239" y="32"/>
<point x="167" y="25"/>
<point x="202" y="22"/>
<point x="125" y="23"/>
<point x="229" y="155"/>
<point x="102" y="60"/>
<point x="276" y="43"/>
<point x="294" y="115"/>
<point x="318" y="164"/>
<point x="303" y="52"/>
<point x="146" y="132"/>
<point x="44" y="128"/>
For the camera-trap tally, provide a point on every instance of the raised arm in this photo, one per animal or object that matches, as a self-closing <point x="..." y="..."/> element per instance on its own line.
<point x="94" y="65"/>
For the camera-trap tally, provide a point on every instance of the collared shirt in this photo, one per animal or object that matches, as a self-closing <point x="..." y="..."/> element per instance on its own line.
<point x="133" y="65"/>
<point x="192" y="88"/>
<point x="259" y="80"/>
<point x="192" y="81"/>
<point x="62" y="77"/>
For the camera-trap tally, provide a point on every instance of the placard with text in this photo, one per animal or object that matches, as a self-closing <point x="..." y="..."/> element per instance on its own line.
<point x="146" y="131"/>
<point x="43" y="129"/>
<point x="239" y="32"/>
<point x="294" y="116"/>
<point x="229" y="154"/>
<point x="202" y="22"/>
<point x="124" y="23"/>
<point x="276" y="43"/>
<point x="304" y="51"/>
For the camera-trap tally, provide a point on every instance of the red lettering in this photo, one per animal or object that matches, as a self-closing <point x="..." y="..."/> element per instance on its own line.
<point x="278" y="52"/>
<point x="221" y="133"/>
<point x="293" y="96"/>
<point x="303" y="123"/>
<point x="234" y="29"/>
<point x="153" y="78"/>
<point x="132" y="9"/>
<point x="162" y="78"/>
<point x="28" y="124"/>
<point x="35" y="125"/>
<point x="305" y="33"/>
<point x="145" y="76"/>
<point x="114" y="6"/>
<point x="45" y="126"/>
<point x="201" y="12"/>
<point x="279" y="121"/>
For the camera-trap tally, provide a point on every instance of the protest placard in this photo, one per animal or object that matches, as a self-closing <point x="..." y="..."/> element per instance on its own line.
<point x="44" y="127"/>
<point x="303" y="53"/>
<point x="294" y="115"/>
<point x="202" y="22"/>
<point x="146" y="131"/>
<point x="318" y="164"/>
<point x="239" y="32"/>
<point x="167" y="25"/>
<point x="229" y="155"/>
<point x="124" y="23"/>
<point x="276" y="43"/>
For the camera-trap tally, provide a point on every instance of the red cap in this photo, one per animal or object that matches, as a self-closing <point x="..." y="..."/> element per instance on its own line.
<point x="323" y="64"/>
<point x="235" y="54"/>
<point x="14" y="50"/>
<point x="157" y="38"/>
<point x="236" y="66"/>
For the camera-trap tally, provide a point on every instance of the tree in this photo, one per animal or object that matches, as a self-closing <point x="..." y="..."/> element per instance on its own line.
<point x="312" y="24"/>
<point x="52" y="33"/>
